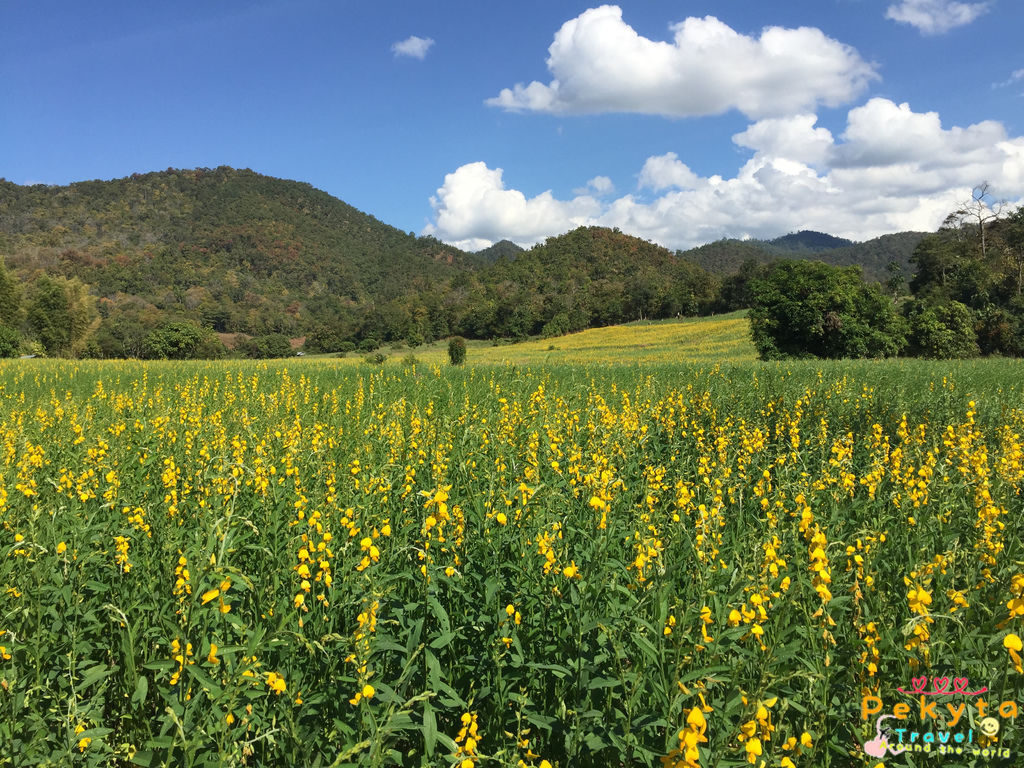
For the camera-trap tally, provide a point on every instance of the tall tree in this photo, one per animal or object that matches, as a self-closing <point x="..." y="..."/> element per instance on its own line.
<point x="10" y="298"/>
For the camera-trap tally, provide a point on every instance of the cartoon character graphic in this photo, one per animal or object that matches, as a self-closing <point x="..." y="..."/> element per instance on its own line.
<point x="880" y="746"/>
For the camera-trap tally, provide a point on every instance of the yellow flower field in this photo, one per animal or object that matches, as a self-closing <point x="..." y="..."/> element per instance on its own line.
<point x="319" y="564"/>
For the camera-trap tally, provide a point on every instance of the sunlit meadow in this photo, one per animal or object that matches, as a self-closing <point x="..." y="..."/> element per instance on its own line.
<point x="318" y="563"/>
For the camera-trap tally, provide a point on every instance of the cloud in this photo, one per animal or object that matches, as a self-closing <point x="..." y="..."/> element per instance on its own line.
<point x="890" y="170"/>
<point x="414" y="47"/>
<point x="599" y="185"/>
<point x="601" y="64"/>
<point x="935" y="17"/>
<point x="794" y="138"/>
<point x="665" y="171"/>
<point x="474" y="209"/>
<point x="1015" y="77"/>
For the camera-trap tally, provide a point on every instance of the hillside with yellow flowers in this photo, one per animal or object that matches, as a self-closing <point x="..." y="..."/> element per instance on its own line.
<point x="721" y="338"/>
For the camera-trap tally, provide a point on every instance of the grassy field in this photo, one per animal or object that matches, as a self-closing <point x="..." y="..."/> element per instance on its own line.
<point x="724" y="338"/>
<point x="320" y="564"/>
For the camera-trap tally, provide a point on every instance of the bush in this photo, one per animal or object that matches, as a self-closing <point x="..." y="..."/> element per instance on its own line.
<point x="457" y="350"/>
<point x="377" y="358"/>
<point x="942" y="331"/>
<point x="368" y="345"/>
<point x="409" y="361"/>
<point x="182" y="341"/>
<point x="271" y="345"/>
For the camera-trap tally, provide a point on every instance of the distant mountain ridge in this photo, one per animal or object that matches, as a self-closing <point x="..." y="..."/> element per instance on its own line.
<point x="724" y="257"/>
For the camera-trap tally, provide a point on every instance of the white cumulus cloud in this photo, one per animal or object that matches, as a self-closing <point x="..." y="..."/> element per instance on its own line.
<point x="890" y="170"/>
<point x="601" y="64"/>
<point x="474" y="209"/>
<point x="665" y="171"/>
<point x="935" y="17"/>
<point x="413" y="46"/>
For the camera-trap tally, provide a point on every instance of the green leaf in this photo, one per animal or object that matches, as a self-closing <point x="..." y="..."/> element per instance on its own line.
<point x="94" y="675"/>
<point x="141" y="689"/>
<point x="444" y="640"/>
<point x="429" y="729"/>
<point x="439" y="613"/>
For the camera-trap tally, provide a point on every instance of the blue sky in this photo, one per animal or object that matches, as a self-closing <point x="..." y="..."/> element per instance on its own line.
<point x="680" y="122"/>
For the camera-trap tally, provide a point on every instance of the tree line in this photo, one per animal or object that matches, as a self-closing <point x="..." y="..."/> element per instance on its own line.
<point x="966" y="297"/>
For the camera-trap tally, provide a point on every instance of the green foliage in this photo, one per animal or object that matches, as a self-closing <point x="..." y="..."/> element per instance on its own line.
<point x="10" y="298"/>
<point x="10" y="342"/>
<point x="49" y="316"/>
<point x="271" y="345"/>
<point x="809" y="309"/>
<point x="942" y="330"/>
<point x="181" y="341"/>
<point x="457" y="350"/>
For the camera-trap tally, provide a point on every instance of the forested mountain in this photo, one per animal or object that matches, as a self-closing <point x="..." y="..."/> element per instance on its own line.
<point x="156" y="263"/>
<point x="237" y="252"/>
<point x="724" y="257"/>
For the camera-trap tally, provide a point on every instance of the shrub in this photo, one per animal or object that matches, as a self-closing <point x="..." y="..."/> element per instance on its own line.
<point x="271" y="345"/>
<point x="457" y="350"/>
<point x="942" y="331"/>
<point x="182" y="341"/>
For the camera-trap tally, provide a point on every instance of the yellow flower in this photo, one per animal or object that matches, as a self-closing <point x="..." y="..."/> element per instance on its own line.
<point x="209" y="595"/>
<point x="753" y="748"/>
<point x="1013" y="642"/>
<point x="83" y="744"/>
<point x="368" y="691"/>
<point x="276" y="683"/>
<point x="805" y="740"/>
<point x="212" y="656"/>
<point x="570" y="571"/>
<point x="502" y="518"/>
<point x="62" y="548"/>
<point x="919" y="600"/>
